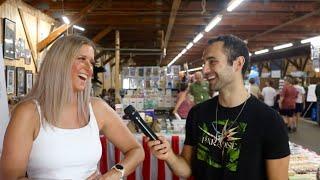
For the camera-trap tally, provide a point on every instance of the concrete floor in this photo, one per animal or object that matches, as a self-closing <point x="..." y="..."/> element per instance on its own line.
<point x="307" y="135"/>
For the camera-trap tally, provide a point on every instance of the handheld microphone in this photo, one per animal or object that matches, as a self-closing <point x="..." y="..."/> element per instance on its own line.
<point x="136" y="118"/>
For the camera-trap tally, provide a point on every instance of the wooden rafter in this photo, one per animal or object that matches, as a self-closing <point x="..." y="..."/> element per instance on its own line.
<point x="285" y="69"/>
<point x="2" y="1"/>
<point x="286" y="24"/>
<point x="108" y="60"/>
<point x="305" y="62"/>
<point x="101" y="34"/>
<point x="173" y="13"/>
<point x="56" y="33"/>
<point x="27" y="33"/>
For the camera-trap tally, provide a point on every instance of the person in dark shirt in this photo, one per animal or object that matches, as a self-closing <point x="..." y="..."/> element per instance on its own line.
<point x="232" y="136"/>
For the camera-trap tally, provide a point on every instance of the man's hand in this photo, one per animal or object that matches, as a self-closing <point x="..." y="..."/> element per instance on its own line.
<point x="95" y="176"/>
<point x="160" y="148"/>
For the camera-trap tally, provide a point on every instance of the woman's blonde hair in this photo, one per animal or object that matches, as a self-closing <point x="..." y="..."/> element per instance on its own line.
<point x="53" y="87"/>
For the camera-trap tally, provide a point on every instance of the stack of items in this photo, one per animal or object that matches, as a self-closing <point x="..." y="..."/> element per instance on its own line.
<point x="303" y="163"/>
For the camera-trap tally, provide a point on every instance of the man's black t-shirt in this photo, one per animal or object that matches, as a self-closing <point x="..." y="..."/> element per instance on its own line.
<point x="242" y="145"/>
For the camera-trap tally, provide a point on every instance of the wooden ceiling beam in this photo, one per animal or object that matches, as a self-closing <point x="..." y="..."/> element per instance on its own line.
<point x="292" y="21"/>
<point x="101" y="34"/>
<point x="173" y="13"/>
<point x="27" y="33"/>
<point x="61" y="29"/>
<point x="2" y="1"/>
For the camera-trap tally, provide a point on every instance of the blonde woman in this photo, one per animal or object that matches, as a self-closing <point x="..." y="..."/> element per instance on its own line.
<point x="54" y="132"/>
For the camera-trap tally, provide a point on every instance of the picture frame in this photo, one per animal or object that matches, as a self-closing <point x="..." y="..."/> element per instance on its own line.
<point x="27" y="57"/>
<point x="29" y="81"/>
<point x="9" y="39"/>
<point x="20" y="81"/>
<point x="10" y="79"/>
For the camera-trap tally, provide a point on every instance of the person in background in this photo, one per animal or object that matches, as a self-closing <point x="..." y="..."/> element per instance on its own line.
<point x="184" y="103"/>
<point x="254" y="88"/>
<point x="287" y="102"/>
<point x="232" y="136"/>
<point x="269" y="94"/>
<point x="317" y="92"/>
<point x="299" y="101"/>
<point x="103" y="94"/>
<point x="199" y="89"/>
<point x="54" y="132"/>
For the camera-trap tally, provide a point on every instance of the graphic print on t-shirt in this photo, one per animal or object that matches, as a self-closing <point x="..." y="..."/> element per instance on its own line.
<point x="220" y="148"/>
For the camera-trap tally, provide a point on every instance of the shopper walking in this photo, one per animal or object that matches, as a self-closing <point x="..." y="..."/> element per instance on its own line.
<point x="299" y="101"/>
<point x="232" y="136"/>
<point x="288" y="96"/>
<point x="269" y="94"/>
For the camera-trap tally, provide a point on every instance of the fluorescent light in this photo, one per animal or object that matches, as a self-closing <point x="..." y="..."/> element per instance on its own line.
<point x="250" y="54"/>
<point x="283" y="46"/>
<point x="233" y="4"/>
<point x="189" y="45"/>
<point x="213" y="22"/>
<point x="261" y="51"/>
<point x="174" y="60"/>
<point x="183" y="51"/>
<point x="317" y="70"/>
<point x="195" y="69"/>
<point x="197" y="38"/>
<point x="78" y="27"/>
<point x="316" y="38"/>
<point x="65" y="20"/>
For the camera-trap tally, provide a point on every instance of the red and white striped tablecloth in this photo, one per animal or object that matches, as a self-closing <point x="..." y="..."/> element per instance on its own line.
<point x="150" y="169"/>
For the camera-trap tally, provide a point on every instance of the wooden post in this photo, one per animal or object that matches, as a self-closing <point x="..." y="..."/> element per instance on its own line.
<point x="117" y="72"/>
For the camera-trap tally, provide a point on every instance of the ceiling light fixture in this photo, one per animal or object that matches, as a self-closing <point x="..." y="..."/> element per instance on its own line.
<point x="309" y="40"/>
<point x="261" y="51"/>
<point x="213" y="23"/>
<point x="189" y="45"/>
<point x="197" y="38"/>
<point x="78" y="27"/>
<point x="65" y="20"/>
<point x="282" y="46"/>
<point x="195" y="69"/>
<point x="233" y="4"/>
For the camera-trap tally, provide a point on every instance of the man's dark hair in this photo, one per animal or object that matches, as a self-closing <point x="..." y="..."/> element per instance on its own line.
<point x="233" y="48"/>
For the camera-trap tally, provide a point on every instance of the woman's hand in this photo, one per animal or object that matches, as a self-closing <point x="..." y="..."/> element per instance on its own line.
<point x="111" y="175"/>
<point x="95" y="176"/>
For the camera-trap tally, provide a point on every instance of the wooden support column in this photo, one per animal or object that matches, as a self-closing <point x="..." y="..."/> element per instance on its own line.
<point x="173" y="13"/>
<point x="117" y="67"/>
<point x="27" y="33"/>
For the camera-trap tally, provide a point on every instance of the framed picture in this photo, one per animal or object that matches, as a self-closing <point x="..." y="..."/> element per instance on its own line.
<point x="10" y="79"/>
<point x="9" y="39"/>
<point x="20" y="46"/>
<point x="20" y="81"/>
<point x="27" y="56"/>
<point x="29" y="81"/>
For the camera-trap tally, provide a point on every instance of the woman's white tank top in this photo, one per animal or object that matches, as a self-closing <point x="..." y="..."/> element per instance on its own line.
<point x="65" y="153"/>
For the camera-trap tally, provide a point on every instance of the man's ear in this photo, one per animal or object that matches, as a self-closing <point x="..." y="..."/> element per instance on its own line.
<point x="238" y="63"/>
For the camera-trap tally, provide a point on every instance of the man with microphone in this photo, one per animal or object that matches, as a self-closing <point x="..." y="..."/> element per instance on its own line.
<point x="233" y="135"/>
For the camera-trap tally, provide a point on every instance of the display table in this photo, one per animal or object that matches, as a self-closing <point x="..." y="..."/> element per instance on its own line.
<point x="151" y="168"/>
<point x="303" y="163"/>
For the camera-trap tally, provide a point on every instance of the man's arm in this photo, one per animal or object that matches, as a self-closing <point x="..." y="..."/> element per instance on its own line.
<point x="179" y="164"/>
<point x="277" y="169"/>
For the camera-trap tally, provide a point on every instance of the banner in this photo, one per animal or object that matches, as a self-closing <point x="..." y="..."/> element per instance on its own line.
<point x="4" y="110"/>
<point x="315" y="54"/>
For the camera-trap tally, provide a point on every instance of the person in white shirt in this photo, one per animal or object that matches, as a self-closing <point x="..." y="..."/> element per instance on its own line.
<point x="299" y="102"/>
<point x="269" y="94"/>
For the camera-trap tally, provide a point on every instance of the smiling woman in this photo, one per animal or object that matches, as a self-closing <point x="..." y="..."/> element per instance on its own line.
<point x="60" y="122"/>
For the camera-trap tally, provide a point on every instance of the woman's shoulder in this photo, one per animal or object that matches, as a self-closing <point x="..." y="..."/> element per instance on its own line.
<point x="25" y="116"/>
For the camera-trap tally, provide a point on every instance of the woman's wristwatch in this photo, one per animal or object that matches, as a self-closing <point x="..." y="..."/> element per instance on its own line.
<point x="119" y="168"/>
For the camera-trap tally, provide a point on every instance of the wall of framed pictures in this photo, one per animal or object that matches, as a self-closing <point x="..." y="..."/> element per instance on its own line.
<point x="19" y="64"/>
<point x="149" y="77"/>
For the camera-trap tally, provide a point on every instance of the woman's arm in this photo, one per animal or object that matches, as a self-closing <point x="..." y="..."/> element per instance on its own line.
<point x="181" y="97"/>
<point x="18" y="141"/>
<point x="114" y="129"/>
